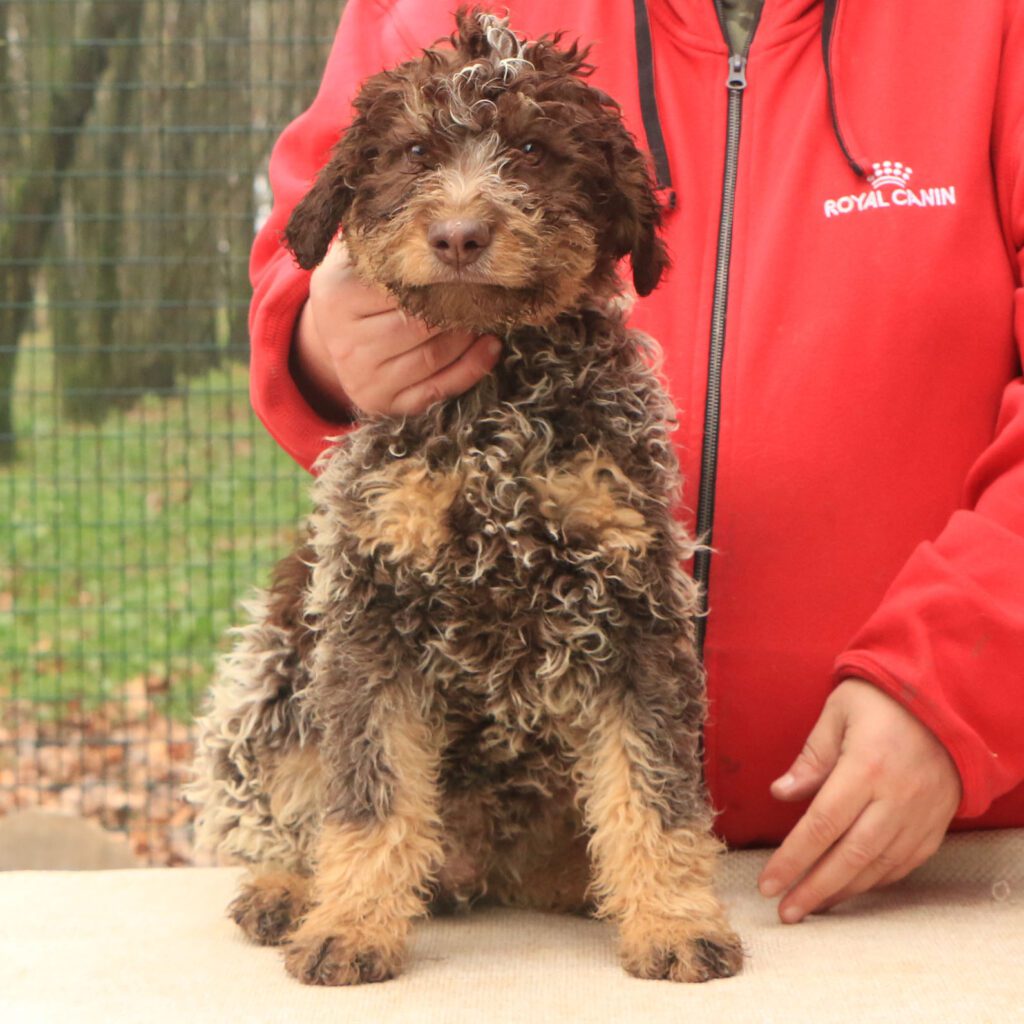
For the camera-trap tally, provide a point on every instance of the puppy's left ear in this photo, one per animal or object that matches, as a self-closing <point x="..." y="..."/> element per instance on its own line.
<point x="648" y="256"/>
<point x="636" y="215"/>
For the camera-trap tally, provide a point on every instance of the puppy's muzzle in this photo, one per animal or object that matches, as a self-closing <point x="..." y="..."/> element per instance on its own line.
<point x="458" y="243"/>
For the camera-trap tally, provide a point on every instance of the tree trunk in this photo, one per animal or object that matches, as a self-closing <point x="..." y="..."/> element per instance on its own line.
<point x="90" y="245"/>
<point x="35" y="192"/>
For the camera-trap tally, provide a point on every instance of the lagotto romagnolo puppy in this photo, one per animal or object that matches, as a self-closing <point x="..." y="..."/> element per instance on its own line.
<point x="477" y="680"/>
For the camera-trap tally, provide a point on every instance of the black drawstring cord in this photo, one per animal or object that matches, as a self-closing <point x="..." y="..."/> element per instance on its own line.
<point x="649" y="104"/>
<point x="826" y="46"/>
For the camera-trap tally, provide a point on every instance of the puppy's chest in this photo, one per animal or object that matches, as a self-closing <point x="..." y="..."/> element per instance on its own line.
<point x="509" y="507"/>
<point x="506" y="553"/>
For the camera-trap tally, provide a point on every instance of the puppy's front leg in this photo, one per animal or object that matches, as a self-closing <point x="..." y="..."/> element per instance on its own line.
<point x="653" y="851"/>
<point x="378" y="850"/>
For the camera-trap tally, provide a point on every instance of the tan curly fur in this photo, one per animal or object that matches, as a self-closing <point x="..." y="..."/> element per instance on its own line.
<point x="270" y="904"/>
<point x="477" y="680"/>
<point x="406" y="507"/>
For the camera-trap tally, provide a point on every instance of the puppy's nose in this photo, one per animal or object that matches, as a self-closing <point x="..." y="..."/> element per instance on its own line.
<point x="459" y="242"/>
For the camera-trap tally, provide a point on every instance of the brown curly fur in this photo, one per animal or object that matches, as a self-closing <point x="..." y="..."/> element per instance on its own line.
<point x="482" y="664"/>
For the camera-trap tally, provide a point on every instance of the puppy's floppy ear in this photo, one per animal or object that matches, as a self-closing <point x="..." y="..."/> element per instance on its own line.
<point x="641" y="218"/>
<point x="648" y="256"/>
<point x="319" y="214"/>
<point x="637" y="216"/>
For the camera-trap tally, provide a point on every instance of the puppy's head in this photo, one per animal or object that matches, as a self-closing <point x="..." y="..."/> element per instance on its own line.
<point x="486" y="185"/>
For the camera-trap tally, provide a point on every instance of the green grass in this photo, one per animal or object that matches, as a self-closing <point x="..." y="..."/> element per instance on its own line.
<point x="126" y="546"/>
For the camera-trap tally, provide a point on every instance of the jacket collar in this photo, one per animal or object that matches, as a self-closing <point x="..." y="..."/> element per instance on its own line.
<point x="698" y="19"/>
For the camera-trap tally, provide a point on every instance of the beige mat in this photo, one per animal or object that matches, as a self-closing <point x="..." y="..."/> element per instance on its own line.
<point x="945" y="945"/>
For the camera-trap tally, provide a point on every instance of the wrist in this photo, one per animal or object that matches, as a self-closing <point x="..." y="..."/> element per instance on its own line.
<point x="313" y="371"/>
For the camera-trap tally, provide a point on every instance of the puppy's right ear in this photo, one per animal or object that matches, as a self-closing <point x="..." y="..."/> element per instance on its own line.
<point x="322" y="211"/>
<point x="318" y="216"/>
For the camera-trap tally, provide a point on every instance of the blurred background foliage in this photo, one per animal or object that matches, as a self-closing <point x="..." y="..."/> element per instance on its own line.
<point x="141" y="499"/>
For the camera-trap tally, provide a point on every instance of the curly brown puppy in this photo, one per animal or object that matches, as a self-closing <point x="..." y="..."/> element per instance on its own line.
<point x="478" y="678"/>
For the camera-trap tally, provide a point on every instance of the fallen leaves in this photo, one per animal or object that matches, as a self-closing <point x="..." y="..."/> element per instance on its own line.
<point x="121" y="764"/>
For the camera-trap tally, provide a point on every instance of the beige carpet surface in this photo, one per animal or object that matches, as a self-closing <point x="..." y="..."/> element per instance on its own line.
<point x="944" y="945"/>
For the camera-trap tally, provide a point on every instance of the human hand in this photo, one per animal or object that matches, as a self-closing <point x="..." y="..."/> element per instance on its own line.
<point x="886" y="791"/>
<point x="355" y="348"/>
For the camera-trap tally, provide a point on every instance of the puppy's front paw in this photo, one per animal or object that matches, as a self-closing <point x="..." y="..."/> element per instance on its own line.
<point x="681" y="951"/>
<point x="337" y="960"/>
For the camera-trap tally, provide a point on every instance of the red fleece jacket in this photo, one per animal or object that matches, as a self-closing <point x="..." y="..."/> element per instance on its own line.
<point x="869" y="495"/>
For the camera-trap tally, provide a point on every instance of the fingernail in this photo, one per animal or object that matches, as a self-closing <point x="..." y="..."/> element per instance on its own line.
<point x="770" y="886"/>
<point x="786" y="781"/>
<point x="493" y="347"/>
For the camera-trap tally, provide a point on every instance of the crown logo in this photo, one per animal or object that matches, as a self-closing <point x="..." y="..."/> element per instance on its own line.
<point x="889" y="172"/>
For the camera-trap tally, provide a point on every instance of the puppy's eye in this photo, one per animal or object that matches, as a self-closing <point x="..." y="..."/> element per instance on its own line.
<point x="417" y="157"/>
<point x="533" y="151"/>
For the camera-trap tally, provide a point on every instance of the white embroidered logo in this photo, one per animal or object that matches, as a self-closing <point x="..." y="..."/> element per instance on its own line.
<point x="888" y="180"/>
<point x="889" y="173"/>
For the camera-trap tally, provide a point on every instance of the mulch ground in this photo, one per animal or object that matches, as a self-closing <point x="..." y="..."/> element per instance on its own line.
<point x="121" y="764"/>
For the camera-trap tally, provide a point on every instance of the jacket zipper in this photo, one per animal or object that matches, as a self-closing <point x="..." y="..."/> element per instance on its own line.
<point x="736" y="83"/>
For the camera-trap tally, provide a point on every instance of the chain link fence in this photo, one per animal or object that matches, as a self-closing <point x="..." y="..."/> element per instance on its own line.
<point x="142" y="500"/>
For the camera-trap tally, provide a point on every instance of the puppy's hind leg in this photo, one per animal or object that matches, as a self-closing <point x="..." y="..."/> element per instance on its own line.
<point x="270" y="904"/>
<point x="378" y="851"/>
<point x="275" y="897"/>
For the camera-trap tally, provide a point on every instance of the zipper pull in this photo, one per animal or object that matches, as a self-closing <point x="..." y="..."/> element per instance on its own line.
<point x="737" y="80"/>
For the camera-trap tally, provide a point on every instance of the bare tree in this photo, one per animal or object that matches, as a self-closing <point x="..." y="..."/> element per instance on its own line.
<point x="150" y="121"/>
<point x="47" y="148"/>
<point x="87" y="265"/>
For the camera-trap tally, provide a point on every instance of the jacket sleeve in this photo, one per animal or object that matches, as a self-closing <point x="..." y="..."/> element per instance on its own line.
<point x="368" y="39"/>
<point x="948" y="638"/>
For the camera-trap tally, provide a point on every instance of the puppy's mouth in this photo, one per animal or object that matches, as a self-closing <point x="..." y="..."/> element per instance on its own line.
<point x="503" y="266"/>
<point x="479" y="306"/>
<point x="456" y="275"/>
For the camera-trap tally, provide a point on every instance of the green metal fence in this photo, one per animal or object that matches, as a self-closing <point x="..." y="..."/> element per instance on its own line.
<point x="141" y="499"/>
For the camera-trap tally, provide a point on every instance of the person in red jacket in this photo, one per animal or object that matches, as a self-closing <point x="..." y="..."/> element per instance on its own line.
<point x="843" y="191"/>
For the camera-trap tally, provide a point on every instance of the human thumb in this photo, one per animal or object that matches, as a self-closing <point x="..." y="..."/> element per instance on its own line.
<point x="815" y="762"/>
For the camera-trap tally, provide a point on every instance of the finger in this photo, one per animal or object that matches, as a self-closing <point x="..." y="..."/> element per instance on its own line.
<point x="817" y="759"/>
<point x="839" y="803"/>
<point x="413" y="365"/>
<point x="867" y="851"/>
<point x="475" y="363"/>
<point x="335" y="282"/>
<point x="869" y="880"/>
<point x="337" y="254"/>
<point x="921" y="853"/>
<point x="909" y="851"/>
<point x="428" y="355"/>
<point x="360" y="352"/>
<point x="361" y="300"/>
<point x="912" y="847"/>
